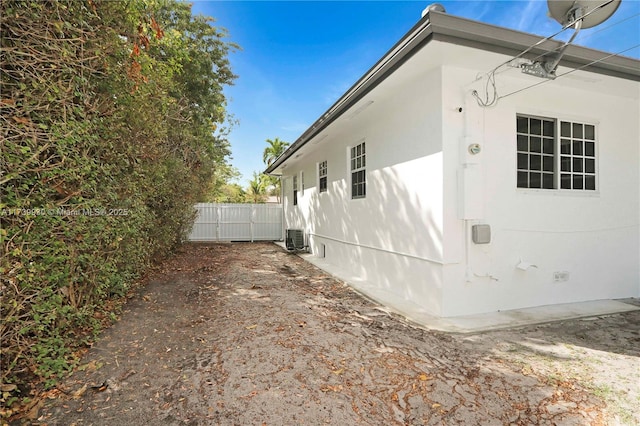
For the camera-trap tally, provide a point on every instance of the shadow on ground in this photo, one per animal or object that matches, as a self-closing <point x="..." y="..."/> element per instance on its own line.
<point x="238" y="334"/>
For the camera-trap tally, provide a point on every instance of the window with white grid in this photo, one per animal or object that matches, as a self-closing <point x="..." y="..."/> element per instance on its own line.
<point x="322" y="176"/>
<point x="358" y="173"/>
<point x="295" y="190"/>
<point x="555" y="154"/>
<point x="577" y="156"/>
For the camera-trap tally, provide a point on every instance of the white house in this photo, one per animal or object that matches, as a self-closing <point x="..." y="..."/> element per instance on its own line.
<point x="392" y="181"/>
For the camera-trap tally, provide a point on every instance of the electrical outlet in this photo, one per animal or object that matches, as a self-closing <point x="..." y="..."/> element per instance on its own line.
<point x="560" y="276"/>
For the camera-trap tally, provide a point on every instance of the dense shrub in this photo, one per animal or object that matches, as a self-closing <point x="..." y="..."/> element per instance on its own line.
<point x="112" y="118"/>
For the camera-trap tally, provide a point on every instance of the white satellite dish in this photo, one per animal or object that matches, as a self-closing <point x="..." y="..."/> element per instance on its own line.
<point x="577" y="13"/>
<point x="591" y="12"/>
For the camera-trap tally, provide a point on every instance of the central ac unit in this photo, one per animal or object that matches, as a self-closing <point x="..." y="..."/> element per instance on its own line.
<point x="295" y="239"/>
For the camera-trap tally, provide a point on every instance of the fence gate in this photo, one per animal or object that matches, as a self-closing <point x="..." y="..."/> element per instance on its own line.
<point x="237" y="222"/>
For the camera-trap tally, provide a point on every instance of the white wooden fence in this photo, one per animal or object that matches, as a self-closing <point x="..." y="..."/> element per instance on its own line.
<point x="237" y="222"/>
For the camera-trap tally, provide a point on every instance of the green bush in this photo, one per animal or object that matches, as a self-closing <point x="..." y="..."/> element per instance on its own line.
<point x="108" y="138"/>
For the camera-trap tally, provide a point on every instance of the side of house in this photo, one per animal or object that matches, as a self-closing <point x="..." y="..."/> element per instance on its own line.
<point x="389" y="183"/>
<point x="386" y="226"/>
<point x="558" y="182"/>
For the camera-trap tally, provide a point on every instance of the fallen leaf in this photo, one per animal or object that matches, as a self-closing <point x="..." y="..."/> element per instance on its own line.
<point x="34" y="408"/>
<point x="78" y="394"/>
<point x="91" y="366"/>
<point x="8" y="387"/>
<point x="423" y="377"/>
<point x="21" y="120"/>
<point x="436" y="405"/>
<point x="250" y="394"/>
<point x="251" y="326"/>
<point x="100" y="388"/>
<point x="331" y="388"/>
<point x="338" y="372"/>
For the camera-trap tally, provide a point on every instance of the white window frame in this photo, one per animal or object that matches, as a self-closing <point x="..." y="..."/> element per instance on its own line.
<point x="295" y="190"/>
<point x="357" y="166"/>
<point x="323" y="177"/>
<point x="557" y="166"/>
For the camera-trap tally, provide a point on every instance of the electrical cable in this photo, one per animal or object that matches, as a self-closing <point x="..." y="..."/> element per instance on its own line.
<point x="584" y="36"/>
<point x="491" y="75"/>
<point x="570" y="71"/>
<point x="564" y="28"/>
<point x="491" y="80"/>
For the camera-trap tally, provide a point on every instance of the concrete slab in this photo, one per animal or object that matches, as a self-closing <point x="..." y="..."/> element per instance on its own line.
<point x="470" y="323"/>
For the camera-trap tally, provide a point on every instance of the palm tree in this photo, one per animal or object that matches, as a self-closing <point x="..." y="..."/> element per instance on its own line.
<point x="256" y="190"/>
<point x="274" y="150"/>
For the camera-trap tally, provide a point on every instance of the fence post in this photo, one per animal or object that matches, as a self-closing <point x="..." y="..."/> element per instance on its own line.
<point x="218" y="214"/>
<point x="252" y="220"/>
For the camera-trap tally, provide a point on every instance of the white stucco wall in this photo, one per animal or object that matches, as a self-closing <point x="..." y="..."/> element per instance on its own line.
<point x="594" y="236"/>
<point x="410" y="235"/>
<point x="392" y="237"/>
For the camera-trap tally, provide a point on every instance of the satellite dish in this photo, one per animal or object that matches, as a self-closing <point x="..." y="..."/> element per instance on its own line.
<point x="597" y="11"/>
<point x="577" y="13"/>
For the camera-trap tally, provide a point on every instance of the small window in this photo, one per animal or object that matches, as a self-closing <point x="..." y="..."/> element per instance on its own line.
<point x="358" y="171"/>
<point x="295" y="190"/>
<point x="553" y="154"/>
<point x="322" y="176"/>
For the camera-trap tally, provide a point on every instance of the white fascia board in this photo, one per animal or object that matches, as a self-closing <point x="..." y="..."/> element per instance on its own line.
<point x="452" y="29"/>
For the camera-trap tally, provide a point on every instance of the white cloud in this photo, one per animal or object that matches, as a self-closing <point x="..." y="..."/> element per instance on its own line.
<point x="531" y="15"/>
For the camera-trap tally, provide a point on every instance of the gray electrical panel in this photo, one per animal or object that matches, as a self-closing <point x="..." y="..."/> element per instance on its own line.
<point x="481" y="234"/>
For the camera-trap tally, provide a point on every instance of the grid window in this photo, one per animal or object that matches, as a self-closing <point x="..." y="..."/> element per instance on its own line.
<point x="358" y="175"/>
<point x="322" y="176"/>
<point x="547" y="161"/>
<point x="577" y="156"/>
<point x="536" y="152"/>
<point x="295" y="190"/>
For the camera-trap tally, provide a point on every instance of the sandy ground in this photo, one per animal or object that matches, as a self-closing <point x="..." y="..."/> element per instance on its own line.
<point x="247" y="334"/>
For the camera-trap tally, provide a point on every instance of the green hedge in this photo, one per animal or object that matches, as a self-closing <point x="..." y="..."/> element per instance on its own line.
<point x="111" y="129"/>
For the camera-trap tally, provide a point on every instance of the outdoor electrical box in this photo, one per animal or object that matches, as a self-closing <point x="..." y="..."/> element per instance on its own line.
<point x="481" y="234"/>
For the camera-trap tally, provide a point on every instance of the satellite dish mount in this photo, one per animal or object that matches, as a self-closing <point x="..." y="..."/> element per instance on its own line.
<point x="578" y="14"/>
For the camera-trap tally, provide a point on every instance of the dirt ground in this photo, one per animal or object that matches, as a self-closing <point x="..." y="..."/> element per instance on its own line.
<point x="247" y="334"/>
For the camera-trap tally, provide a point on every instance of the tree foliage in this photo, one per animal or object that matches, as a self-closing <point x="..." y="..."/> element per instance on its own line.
<point x="275" y="148"/>
<point x="112" y="126"/>
<point x="256" y="192"/>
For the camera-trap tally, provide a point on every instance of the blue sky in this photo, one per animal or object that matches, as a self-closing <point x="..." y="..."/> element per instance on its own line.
<point x="298" y="57"/>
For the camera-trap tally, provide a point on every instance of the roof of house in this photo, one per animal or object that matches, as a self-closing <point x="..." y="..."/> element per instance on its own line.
<point x="440" y="26"/>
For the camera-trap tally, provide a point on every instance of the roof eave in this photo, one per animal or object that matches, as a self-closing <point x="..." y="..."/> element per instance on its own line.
<point x="512" y="43"/>
<point x="452" y="29"/>
<point x="415" y="38"/>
